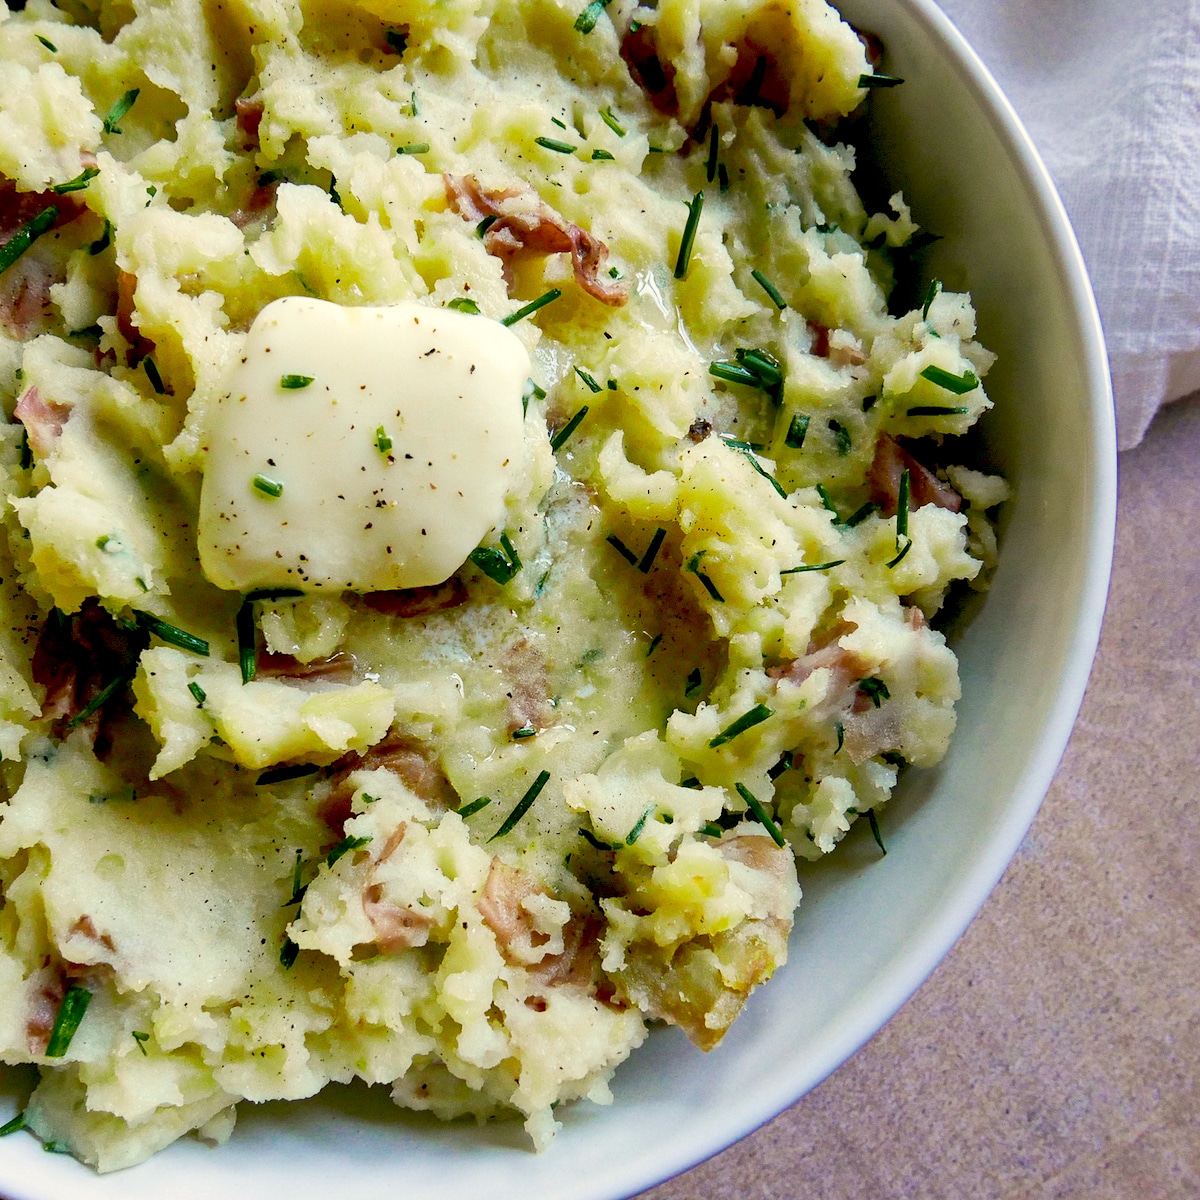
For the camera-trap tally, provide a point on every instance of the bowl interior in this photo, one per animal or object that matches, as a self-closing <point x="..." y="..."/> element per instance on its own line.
<point x="869" y="929"/>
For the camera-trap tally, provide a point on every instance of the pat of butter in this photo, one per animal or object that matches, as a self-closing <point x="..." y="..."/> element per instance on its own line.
<point x="302" y="488"/>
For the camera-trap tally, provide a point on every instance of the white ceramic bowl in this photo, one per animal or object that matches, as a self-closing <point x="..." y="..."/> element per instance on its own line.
<point x="869" y="930"/>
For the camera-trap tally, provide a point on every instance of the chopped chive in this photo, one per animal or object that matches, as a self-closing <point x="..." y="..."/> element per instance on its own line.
<point x="797" y="431"/>
<point x="532" y="307"/>
<point x="937" y="410"/>
<point x="344" y="847"/>
<point x="723" y="177"/>
<point x="555" y="145"/>
<point x="170" y="634"/>
<point x="287" y="956"/>
<point x="875" y="689"/>
<point x="714" y="146"/>
<point x="760" y="814"/>
<point x="841" y="436"/>
<point x="826" y="501"/>
<point x="689" y="235"/>
<point x="383" y="443"/>
<point x="486" y="224"/>
<point x="70" y="1014"/>
<point x="78" y="183"/>
<point x="837" y="562"/>
<point x="156" y="381"/>
<point x="606" y="115"/>
<point x="294" y="383"/>
<point x="141" y="1039"/>
<point x="692" y="782"/>
<point x="731" y="372"/>
<point x="652" y="551"/>
<point x="711" y="830"/>
<point x="745" y="449"/>
<point x="931" y="294"/>
<point x="469" y="810"/>
<point x="522" y="806"/>
<point x="26" y="236"/>
<point x="526" y="731"/>
<point x="693" y="565"/>
<point x="56" y="1147"/>
<point x="859" y="515"/>
<point x="569" y="428"/>
<point x="198" y="693"/>
<point x="283" y="774"/>
<point x="894" y="758"/>
<point x="592" y="840"/>
<point x="895" y="562"/>
<point x="622" y="549"/>
<point x="771" y="290"/>
<point x="873" y="821"/>
<point x="103" y="241"/>
<point x="298" y="889"/>
<point x="786" y="762"/>
<point x="841" y="736"/>
<point x="119" y="109"/>
<point x="612" y="385"/>
<point x="636" y="832"/>
<point x="602" y="156"/>
<point x="902" y="506"/>
<point x="47" y="43"/>
<point x="464" y="304"/>
<point x="879" y="81"/>
<point x="268" y="486"/>
<point x="593" y="386"/>
<point x="397" y="40"/>
<point x="692" y="685"/>
<point x="13" y="1126"/>
<point x="246" y="641"/>
<point x="413" y="148"/>
<point x="958" y="384"/>
<point x="654" y="644"/>
<point x="532" y="389"/>
<point x="756" y="716"/>
<point x="586" y="21"/>
<point x="498" y="565"/>
<point x="98" y="701"/>
<point x="278" y="593"/>
<point x="765" y="366"/>
<point x="556" y="121"/>
<point x="414" y="111"/>
<point x="27" y="453"/>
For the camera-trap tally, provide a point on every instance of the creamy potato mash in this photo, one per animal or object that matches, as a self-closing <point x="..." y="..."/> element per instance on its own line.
<point x="471" y="517"/>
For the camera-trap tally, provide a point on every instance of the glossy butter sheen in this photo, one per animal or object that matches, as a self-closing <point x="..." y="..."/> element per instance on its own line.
<point x="445" y="387"/>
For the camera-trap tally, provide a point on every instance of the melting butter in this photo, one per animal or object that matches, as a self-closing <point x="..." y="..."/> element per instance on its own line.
<point x="361" y="448"/>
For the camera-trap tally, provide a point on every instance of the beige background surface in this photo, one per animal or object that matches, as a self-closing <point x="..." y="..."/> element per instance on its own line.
<point x="1056" y="1052"/>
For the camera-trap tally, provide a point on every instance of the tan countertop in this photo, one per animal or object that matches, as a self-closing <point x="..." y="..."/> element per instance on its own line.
<point x="1055" y="1053"/>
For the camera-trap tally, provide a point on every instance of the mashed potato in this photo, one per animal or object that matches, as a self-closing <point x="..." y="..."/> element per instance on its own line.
<point x="465" y="839"/>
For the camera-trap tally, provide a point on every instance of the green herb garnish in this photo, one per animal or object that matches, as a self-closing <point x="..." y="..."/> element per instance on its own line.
<point x="873" y="821"/>
<point x="711" y="830"/>
<point x="171" y="634"/>
<point x="413" y="148"/>
<point x="622" y="549"/>
<point x="469" y="810"/>
<point x="692" y="685"/>
<point x="156" y="381"/>
<point x="756" y="716"/>
<point x="70" y="1014"/>
<point x="902" y="506"/>
<point x="652" y="551"/>
<point x="586" y="21"/>
<point x="103" y="241"/>
<point x="498" y="565"/>
<point x="826" y="501"/>
<point x="526" y="731"/>
<point x="841" y="738"/>
<point x="894" y="758"/>
<point x="268" y="486"/>
<point x="532" y="307"/>
<point x="895" y="562"/>
<point x="841" y="437"/>
<point x="141" y="1039"/>
<point x="383" y="443"/>
<point x="99" y="700"/>
<point x="747" y="451"/>
<point x="78" y="183"/>
<point x="287" y="956"/>
<point x="837" y="562"/>
<point x="118" y="110"/>
<point x="787" y="760"/>
<point x="522" y="807"/>
<point x="397" y="40"/>
<point x="723" y="178"/>
<point x="937" y="410"/>
<point x="931" y="294"/>
<point x="26" y="236"/>
<point x="875" y="689"/>
<point x="606" y="115"/>
<point x="714" y="147"/>
<point x="689" y="235"/>
<point x="559" y="439"/>
<point x="555" y="145"/>
<point x="464" y="304"/>
<point x="590" y="380"/>
<point x="47" y="43"/>
<point x="344" y="847"/>
<point x="13" y="1126"/>
<point x="797" y="431"/>
<point x="198" y="693"/>
<point x="771" y="290"/>
<point x="294" y="383"/>
<point x="859" y="515"/>
<point x="760" y="814"/>
<point x="592" y="840"/>
<point x="654" y="644"/>
<point x="879" y="81"/>
<point x="602" y="156"/>
<point x="958" y="384"/>
<point x="636" y="832"/>
<point x="282" y="774"/>
<point x="693" y="565"/>
<point x="486" y="224"/>
<point x="246" y="641"/>
<point x="731" y="372"/>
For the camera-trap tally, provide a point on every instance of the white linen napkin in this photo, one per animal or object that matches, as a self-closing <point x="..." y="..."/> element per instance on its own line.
<point x="1110" y="93"/>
